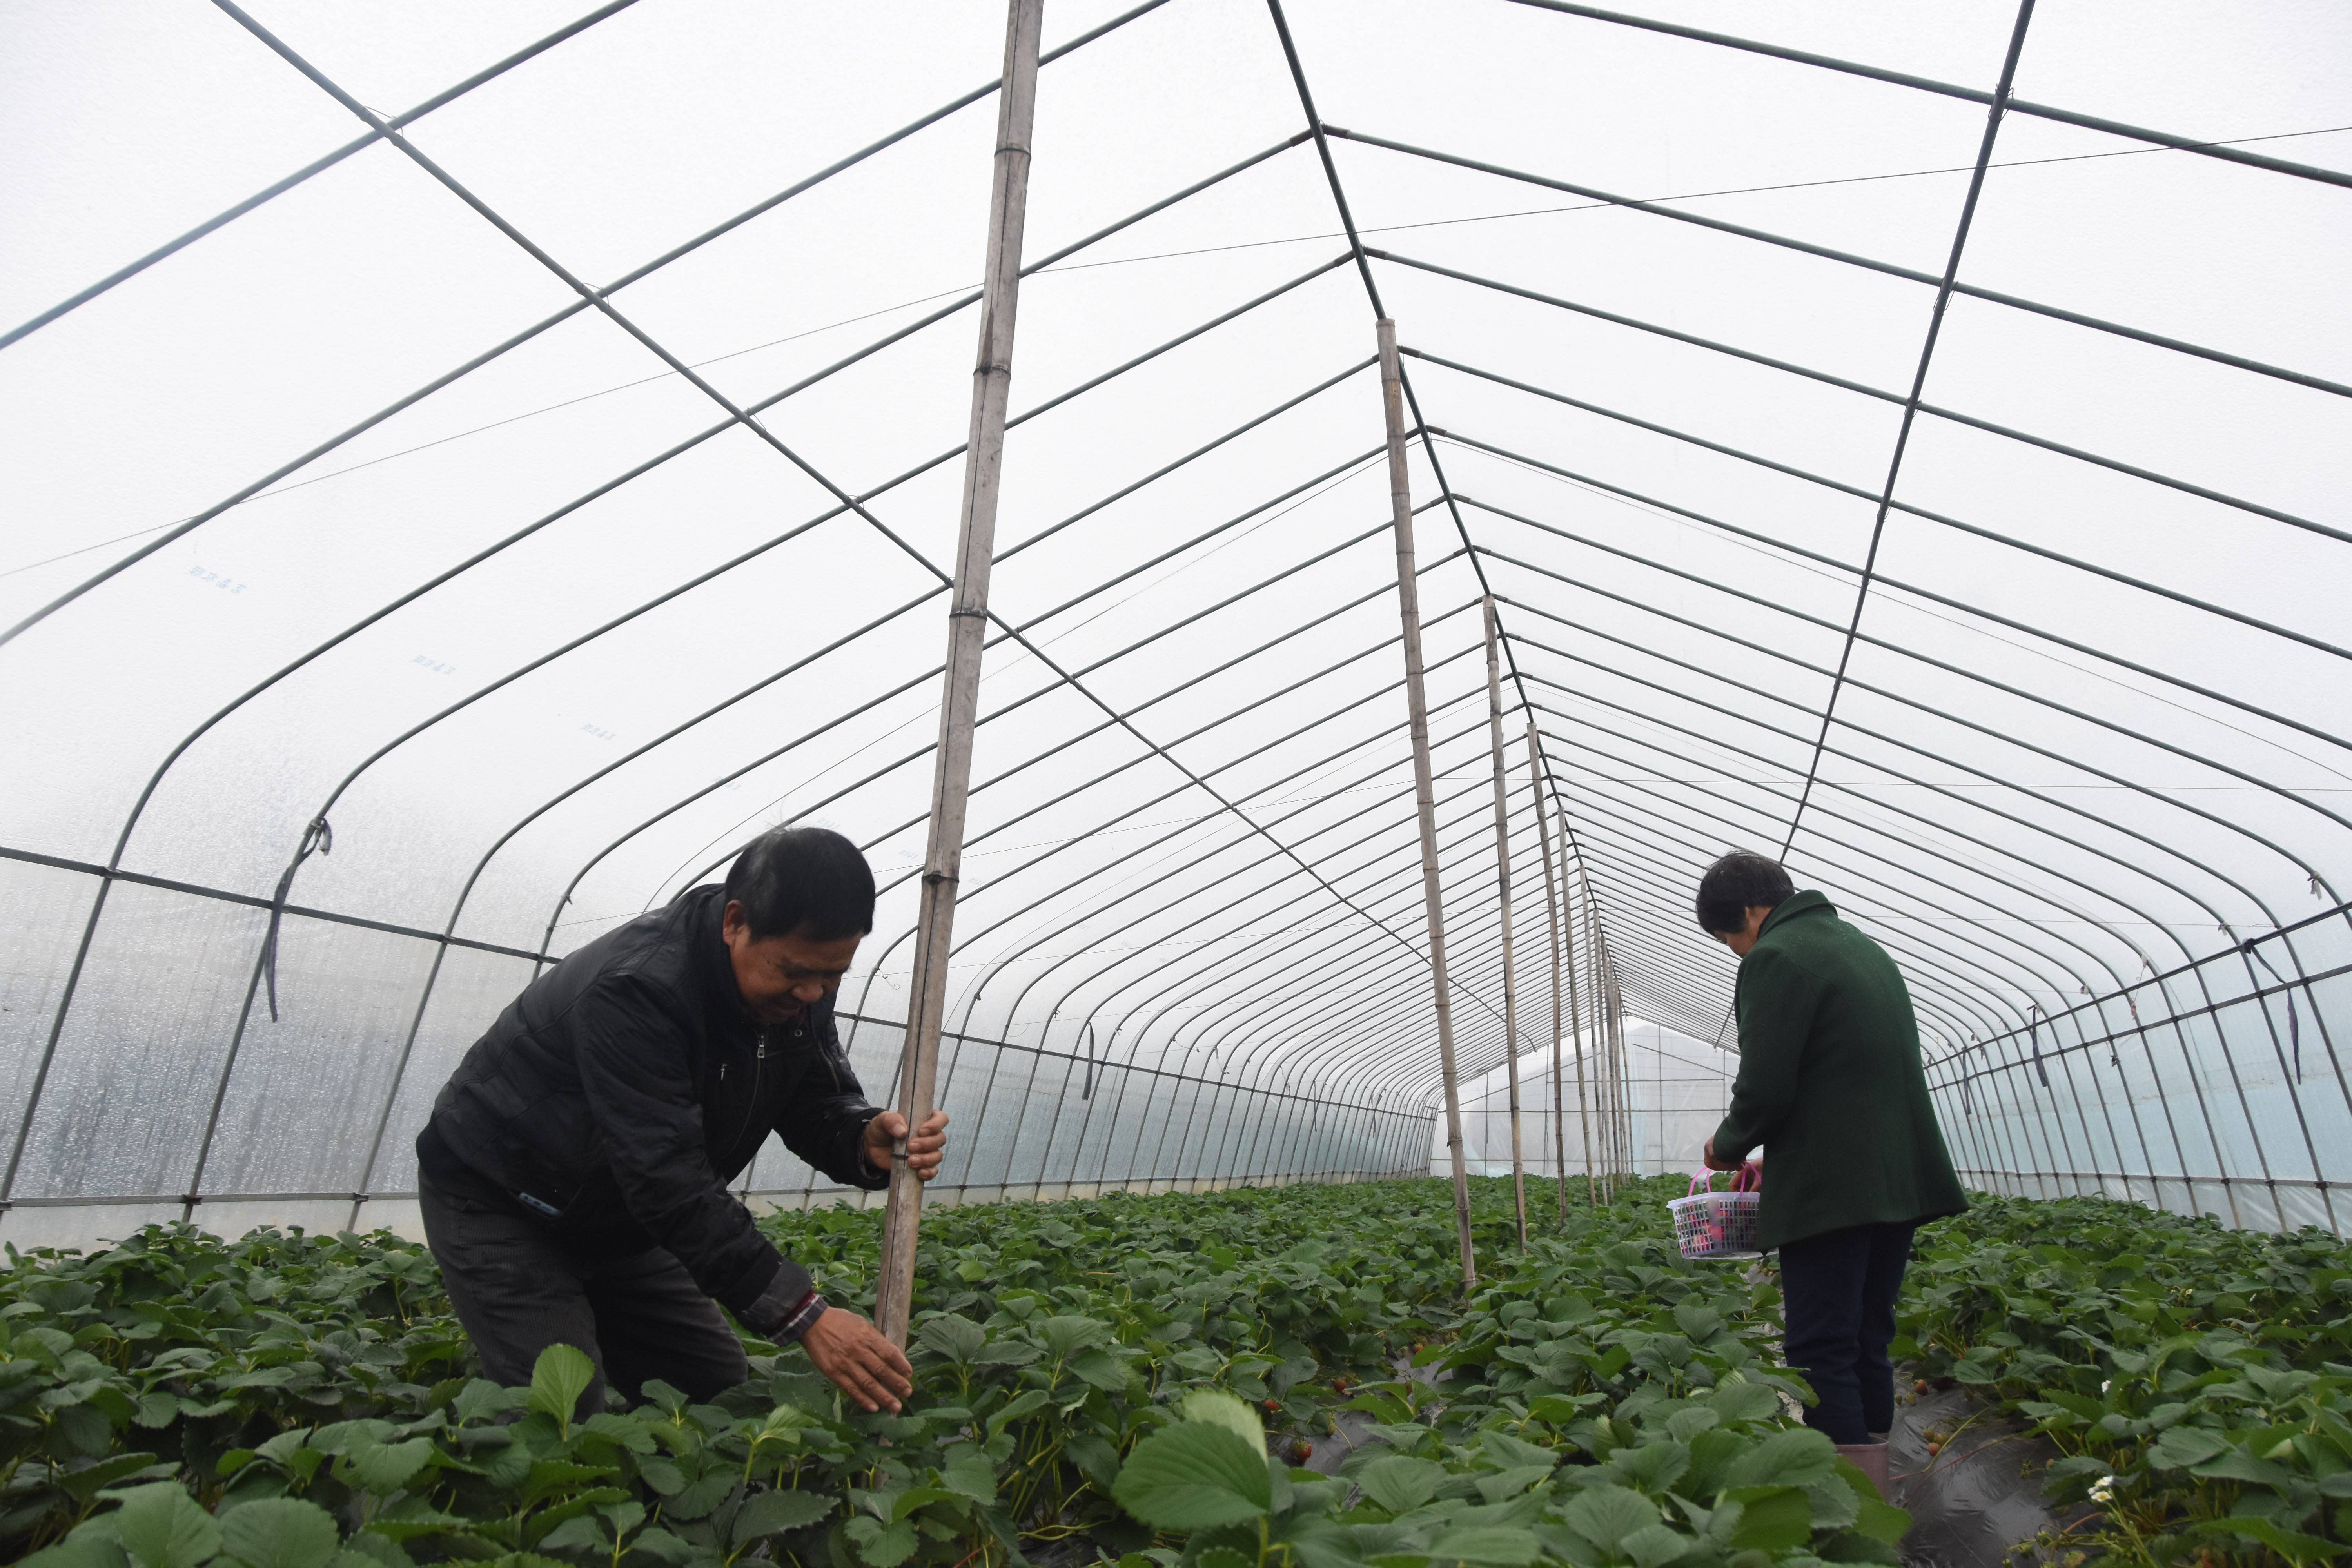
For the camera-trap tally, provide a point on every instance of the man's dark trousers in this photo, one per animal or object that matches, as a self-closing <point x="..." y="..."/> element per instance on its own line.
<point x="1837" y="1297"/>
<point x="519" y="1288"/>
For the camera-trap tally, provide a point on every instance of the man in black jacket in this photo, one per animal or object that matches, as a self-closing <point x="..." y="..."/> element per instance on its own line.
<point x="573" y="1174"/>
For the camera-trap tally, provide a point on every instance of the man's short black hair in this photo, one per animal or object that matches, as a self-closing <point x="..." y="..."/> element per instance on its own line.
<point x="807" y="882"/>
<point x="1739" y="882"/>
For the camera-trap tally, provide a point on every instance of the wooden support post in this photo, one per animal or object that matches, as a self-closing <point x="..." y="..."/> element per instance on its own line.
<point x="1568" y="906"/>
<point x="1551" y="927"/>
<point x="1604" y="1121"/>
<point x="967" y="634"/>
<point x="1503" y="899"/>
<point x="1607" y="1035"/>
<point x="1423" y="788"/>
<point x="1613" y="1000"/>
<point x="1567" y="925"/>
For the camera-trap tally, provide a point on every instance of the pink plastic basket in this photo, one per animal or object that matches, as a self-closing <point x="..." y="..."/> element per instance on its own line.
<point x="1711" y="1225"/>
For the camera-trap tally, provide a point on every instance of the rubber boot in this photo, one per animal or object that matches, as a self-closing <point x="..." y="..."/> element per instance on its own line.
<point x="1870" y="1458"/>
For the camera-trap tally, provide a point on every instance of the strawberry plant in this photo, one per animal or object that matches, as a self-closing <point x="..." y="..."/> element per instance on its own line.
<point x="1129" y="1379"/>
<point x="2194" y="1377"/>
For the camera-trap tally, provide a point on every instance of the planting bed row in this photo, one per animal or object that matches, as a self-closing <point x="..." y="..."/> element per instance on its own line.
<point x="1106" y="1379"/>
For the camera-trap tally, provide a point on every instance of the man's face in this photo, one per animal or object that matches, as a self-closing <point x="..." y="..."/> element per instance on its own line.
<point x="779" y="976"/>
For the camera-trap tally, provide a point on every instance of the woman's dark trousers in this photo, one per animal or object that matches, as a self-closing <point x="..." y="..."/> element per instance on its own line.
<point x="1837" y="1294"/>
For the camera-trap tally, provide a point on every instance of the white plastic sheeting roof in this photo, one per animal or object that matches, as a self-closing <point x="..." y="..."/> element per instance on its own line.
<point x="531" y="458"/>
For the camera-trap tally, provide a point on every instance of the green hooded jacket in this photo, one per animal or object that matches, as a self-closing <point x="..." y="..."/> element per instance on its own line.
<point x="1829" y="1082"/>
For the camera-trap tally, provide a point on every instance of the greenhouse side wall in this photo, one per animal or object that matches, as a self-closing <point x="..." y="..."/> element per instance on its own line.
<point x="169" y="1093"/>
<point x="2218" y="1087"/>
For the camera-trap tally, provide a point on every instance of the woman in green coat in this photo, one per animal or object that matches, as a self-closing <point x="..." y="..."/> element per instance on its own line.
<point x="1830" y="1084"/>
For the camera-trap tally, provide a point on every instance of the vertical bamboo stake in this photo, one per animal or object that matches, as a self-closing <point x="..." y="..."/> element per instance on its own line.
<point x="1503" y="887"/>
<point x="967" y="629"/>
<point x="1423" y="788"/>
<point x="1603" y="1102"/>
<point x="1568" y="906"/>
<point x="1600" y="1120"/>
<point x="1617" y="1065"/>
<point x="1616" y="1136"/>
<point x="1551" y="927"/>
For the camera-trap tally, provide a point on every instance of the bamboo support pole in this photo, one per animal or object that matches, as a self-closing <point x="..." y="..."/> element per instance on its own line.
<point x="1423" y="786"/>
<point x="1619" y="1074"/>
<point x="1618" y="1164"/>
<point x="1503" y="912"/>
<point x="1598" y="1142"/>
<point x="1575" y="1026"/>
<point x="967" y="631"/>
<point x="1551" y="929"/>
<point x="1620" y="1142"/>
<point x="1612" y="1140"/>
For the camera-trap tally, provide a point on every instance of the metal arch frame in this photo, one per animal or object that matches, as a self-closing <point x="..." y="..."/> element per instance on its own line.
<point x="2104" y="822"/>
<point x="1949" y="90"/>
<point x="1609" y="825"/>
<point x="1194" y="824"/>
<point x="1233" y="1000"/>
<point x="1118" y="716"/>
<point x="1802" y="553"/>
<point x="709" y="575"/>
<point x="269" y="193"/>
<point x="380" y="129"/>
<point x="743" y="417"/>
<point x="1175" y="832"/>
<point x="926" y="751"/>
<point x="2041" y="828"/>
<point x="1863" y="263"/>
<point x="331" y="88"/>
<point x="304" y="850"/>
<point x="2110" y="825"/>
<point x="1005" y="960"/>
<point x="1976" y="678"/>
<point x="1433" y="894"/>
<point x="1379" y="1055"/>
<point x="1186" y="826"/>
<point x="1324" y="760"/>
<point x="1989" y="943"/>
<point x="1603" y="956"/>
<point x="1667" y="902"/>
<point x="1377" y="1050"/>
<point x="1925" y="961"/>
<point x="1237" y="997"/>
<point x="2096" y="892"/>
<point x="1302" y="809"/>
<point x="2141" y="1132"/>
<point x="572" y="886"/>
<point x="1360" y="783"/>
<point x="1911" y="405"/>
<point x="1881" y="394"/>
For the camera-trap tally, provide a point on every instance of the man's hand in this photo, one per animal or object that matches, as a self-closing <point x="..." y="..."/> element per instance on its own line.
<point x="1715" y="1164"/>
<point x="860" y="1362"/>
<point x="924" y="1150"/>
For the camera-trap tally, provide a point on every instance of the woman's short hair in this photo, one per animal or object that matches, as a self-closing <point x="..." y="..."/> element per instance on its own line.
<point x="808" y="882"/>
<point x="1739" y="882"/>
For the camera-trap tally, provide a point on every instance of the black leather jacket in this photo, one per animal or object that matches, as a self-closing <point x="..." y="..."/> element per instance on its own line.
<point x="622" y="1092"/>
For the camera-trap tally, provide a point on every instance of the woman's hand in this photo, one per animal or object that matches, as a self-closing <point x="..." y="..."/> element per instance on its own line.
<point x="1715" y="1164"/>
